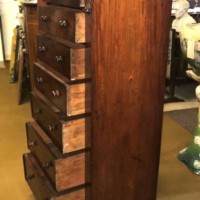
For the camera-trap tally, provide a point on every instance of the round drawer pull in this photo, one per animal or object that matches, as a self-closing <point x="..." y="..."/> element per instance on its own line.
<point x="32" y="143"/>
<point x="56" y="93"/>
<point x="47" y="165"/>
<point x="63" y="23"/>
<point x="30" y="177"/>
<point x="52" y="127"/>
<point x="36" y="111"/>
<point x="44" y="18"/>
<point x="42" y="49"/>
<point x="39" y="79"/>
<point x="59" y="58"/>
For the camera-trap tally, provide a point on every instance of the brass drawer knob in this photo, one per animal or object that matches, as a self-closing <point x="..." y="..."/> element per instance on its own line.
<point x="52" y="127"/>
<point x="36" y="111"/>
<point x="44" y="18"/>
<point x="63" y="23"/>
<point x="47" y="165"/>
<point x="55" y="93"/>
<point x="39" y="79"/>
<point x="32" y="143"/>
<point x="59" y="58"/>
<point x="30" y="177"/>
<point x="41" y="49"/>
<point x="88" y="7"/>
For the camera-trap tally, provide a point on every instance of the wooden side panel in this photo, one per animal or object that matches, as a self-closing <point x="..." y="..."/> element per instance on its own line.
<point x="42" y="188"/>
<point x="80" y="63"/>
<point x="79" y="99"/>
<point x="76" y="135"/>
<point x="129" y="48"/>
<point x="80" y="23"/>
<point x="71" y="171"/>
<point x="41" y="2"/>
<point x="77" y="195"/>
<point x="31" y="28"/>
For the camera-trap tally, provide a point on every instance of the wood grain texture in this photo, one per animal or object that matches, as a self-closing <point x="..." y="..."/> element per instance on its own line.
<point x="78" y="99"/>
<point x="74" y="63"/>
<point x="70" y="99"/>
<point x="68" y="135"/>
<point x="71" y="171"/>
<point x="41" y="2"/>
<point x="76" y="135"/>
<point x="40" y="185"/>
<point x="129" y="52"/>
<point x="70" y="3"/>
<point x="64" y="171"/>
<point x="31" y="28"/>
<point x="74" y="29"/>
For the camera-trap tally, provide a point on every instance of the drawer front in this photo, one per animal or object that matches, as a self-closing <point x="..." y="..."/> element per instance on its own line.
<point x="71" y="3"/>
<point x="47" y="119"/>
<point x="64" y="172"/>
<point x="42" y="188"/>
<point x="37" y="144"/>
<point x="73" y="63"/>
<point x="54" y="90"/>
<point x="68" y="136"/>
<point x="65" y="23"/>
<point x="72" y="99"/>
<point x="34" y="178"/>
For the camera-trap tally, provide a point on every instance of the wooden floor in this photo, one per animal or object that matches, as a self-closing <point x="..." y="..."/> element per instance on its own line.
<point x="175" y="181"/>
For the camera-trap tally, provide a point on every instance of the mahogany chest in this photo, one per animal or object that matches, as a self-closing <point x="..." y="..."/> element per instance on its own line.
<point x="98" y="99"/>
<point x="59" y="140"/>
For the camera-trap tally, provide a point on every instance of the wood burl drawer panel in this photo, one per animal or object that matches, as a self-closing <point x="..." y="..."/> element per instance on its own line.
<point x="74" y="63"/>
<point x="64" y="171"/>
<point x="65" y="23"/>
<point x="68" y="135"/>
<point x="71" y="99"/>
<point x="40" y="185"/>
<point x="70" y="3"/>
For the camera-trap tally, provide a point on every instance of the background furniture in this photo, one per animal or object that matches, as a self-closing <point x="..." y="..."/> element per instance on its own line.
<point x="177" y="65"/>
<point x="31" y="28"/>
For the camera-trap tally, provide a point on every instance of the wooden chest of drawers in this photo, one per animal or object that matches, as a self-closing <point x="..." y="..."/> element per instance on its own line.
<point x="126" y="126"/>
<point x="59" y="140"/>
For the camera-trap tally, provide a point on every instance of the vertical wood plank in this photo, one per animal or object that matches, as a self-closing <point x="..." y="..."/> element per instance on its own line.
<point x="41" y="2"/>
<point x="31" y="26"/>
<point x="129" y="47"/>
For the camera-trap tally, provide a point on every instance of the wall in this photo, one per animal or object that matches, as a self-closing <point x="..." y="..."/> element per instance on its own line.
<point x="9" y="10"/>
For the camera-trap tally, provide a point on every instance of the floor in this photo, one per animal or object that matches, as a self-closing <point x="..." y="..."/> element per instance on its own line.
<point x="175" y="181"/>
<point x="13" y="141"/>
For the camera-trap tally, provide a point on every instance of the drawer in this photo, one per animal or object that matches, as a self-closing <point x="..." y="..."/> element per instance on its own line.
<point x="65" y="23"/>
<point x="64" y="171"/>
<point x="74" y="63"/>
<point x="42" y="188"/>
<point x="71" y="99"/>
<point x="70" y="3"/>
<point x="68" y="135"/>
